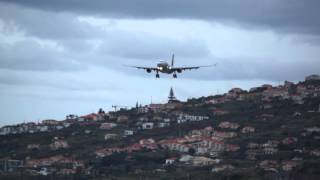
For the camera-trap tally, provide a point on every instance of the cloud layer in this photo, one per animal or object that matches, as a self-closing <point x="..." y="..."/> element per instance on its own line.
<point x="292" y="16"/>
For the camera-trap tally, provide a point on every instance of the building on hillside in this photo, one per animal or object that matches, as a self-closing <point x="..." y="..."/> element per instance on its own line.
<point x="128" y="132"/>
<point x="163" y="124"/>
<point x="7" y="130"/>
<point x="143" y="109"/>
<point x="248" y="129"/>
<point x="222" y="134"/>
<point x="110" y="136"/>
<point x="156" y="107"/>
<point x="43" y="128"/>
<point x="122" y="119"/>
<point x="235" y="92"/>
<point x="313" y="77"/>
<point x="107" y="126"/>
<point x="148" y="125"/>
<point x="186" y="158"/>
<point x="71" y="117"/>
<point x="170" y="161"/>
<point x="50" y="122"/>
<point x="10" y="165"/>
<point x="33" y="146"/>
<point x="89" y="117"/>
<point x="182" y="118"/>
<point x="221" y="168"/>
<point x="59" y="144"/>
<point x="202" y="161"/>
<point x="289" y="165"/>
<point x="226" y="124"/>
<point x="219" y="112"/>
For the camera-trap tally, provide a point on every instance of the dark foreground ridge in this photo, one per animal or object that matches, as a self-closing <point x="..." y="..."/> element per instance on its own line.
<point x="265" y="133"/>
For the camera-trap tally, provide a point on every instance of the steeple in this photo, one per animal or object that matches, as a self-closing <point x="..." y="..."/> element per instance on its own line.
<point x="171" y="97"/>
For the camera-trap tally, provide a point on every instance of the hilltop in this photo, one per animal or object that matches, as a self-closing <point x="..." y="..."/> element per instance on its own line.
<point x="265" y="133"/>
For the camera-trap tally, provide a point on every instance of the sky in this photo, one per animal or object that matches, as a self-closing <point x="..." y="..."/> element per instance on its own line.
<point x="62" y="57"/>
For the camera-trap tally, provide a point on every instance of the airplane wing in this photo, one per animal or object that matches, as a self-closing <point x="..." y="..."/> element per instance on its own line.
<point x="189" y="68"/>
<point x="145" y="68"/>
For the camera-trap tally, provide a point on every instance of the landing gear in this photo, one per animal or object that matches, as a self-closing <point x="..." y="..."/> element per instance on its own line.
<point x="174" y="75"/>
<point x="157" y="75"/>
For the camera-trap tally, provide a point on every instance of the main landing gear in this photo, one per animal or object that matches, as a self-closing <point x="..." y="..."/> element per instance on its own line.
<point x="157" y="75"/>
<point x="175" y="75"/>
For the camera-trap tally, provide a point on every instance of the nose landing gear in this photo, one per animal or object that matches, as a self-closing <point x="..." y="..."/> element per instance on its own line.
<point x="175" y="75"/>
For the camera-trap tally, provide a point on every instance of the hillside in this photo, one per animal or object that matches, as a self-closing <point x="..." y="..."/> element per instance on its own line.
<point x="265" y="133"/>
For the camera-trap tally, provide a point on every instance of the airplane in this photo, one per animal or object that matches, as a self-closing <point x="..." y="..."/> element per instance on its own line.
<point x="164" y="67"/>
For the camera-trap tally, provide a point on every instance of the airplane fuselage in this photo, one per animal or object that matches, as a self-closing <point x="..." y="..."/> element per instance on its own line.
<point x="164" y="67"/>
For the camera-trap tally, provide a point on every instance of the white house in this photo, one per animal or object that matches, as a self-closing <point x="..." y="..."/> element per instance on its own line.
<point x="128" y="132"/>
<point x="107" y="125"/>
<point x="110" y="136"/>
<point x="59" y="127"/>
<point x="6" y="130"/>
<point x="148" y="125"/>
<point x="43" y="128"/>
<point x="163" y="124"/>
<point x="170" y="161"/>
<point x="186" y="117"/>
<point x="186" y="158"/>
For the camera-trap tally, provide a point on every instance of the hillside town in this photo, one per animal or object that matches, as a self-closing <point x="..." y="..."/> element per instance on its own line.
<point x="273" y="130"/>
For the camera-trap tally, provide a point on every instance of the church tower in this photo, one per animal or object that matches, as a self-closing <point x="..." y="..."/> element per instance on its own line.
<point x="171" y="97"/>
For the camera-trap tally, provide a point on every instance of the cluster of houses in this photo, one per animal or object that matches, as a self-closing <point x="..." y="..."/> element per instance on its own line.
<point x="187" y="159"/>
<point x="160" y="122"/>
<point x="53" y="125"/>
<point x="202" y="142"/>
<point x="31" y="127"/>
<point x="274" y="166"/>
<point x="10" y="165"/>
<point x="268" y="148"/>
<point x="200" y="145"/>
<point x="143" y="144"/>
<point x="183" y="118"/>
<point x="294" y="92"/>
<point x="59" y="144"/>
<point x="59" y="164"/>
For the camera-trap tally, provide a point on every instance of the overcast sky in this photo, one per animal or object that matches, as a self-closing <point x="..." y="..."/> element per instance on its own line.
<point x="62" y="57"/>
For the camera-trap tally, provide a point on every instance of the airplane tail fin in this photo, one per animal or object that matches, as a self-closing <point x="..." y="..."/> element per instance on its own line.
<point x="172" y="60"/>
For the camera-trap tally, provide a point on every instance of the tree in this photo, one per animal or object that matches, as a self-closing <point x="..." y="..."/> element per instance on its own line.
<point x="192" y="151"/>
<point x="101" y="111"/>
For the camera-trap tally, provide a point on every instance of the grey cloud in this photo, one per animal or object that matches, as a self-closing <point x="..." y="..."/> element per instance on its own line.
<point x="148" y="47"/>
<point x="30" y="55"/>
<point x="47" y="25"/>
<point x="259" y="68"/>
<point x="63" y="80"/>
<point x="294" y="16"/>
<point x="307" y="39"/>
<point x="118" y="46"/>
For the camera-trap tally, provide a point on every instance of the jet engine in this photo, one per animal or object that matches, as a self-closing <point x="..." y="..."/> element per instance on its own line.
<point x="148" y="70"/>
<point x="179" y="70"/>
